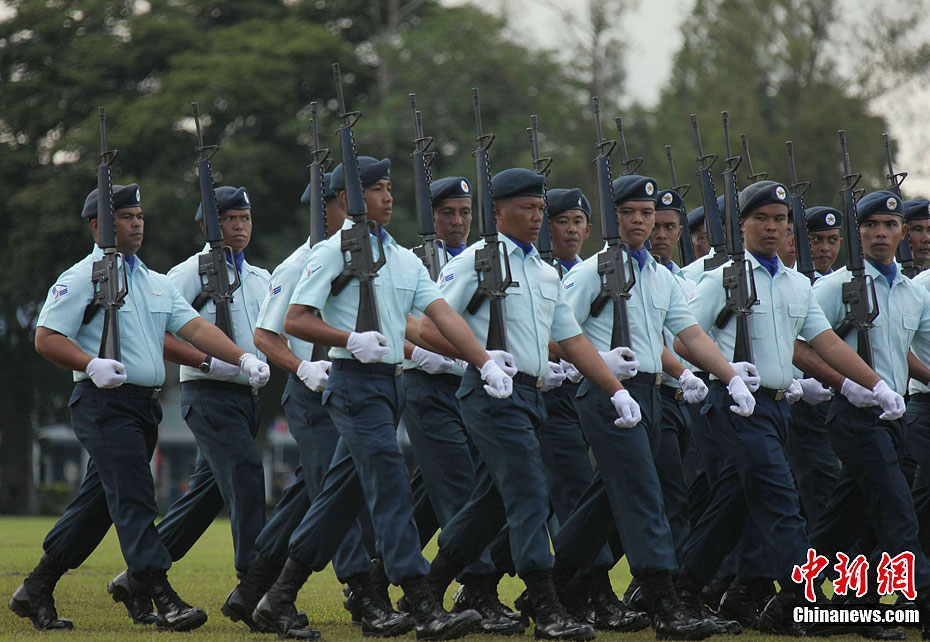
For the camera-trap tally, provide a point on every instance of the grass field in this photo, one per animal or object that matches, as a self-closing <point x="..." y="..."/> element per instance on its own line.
<point x="203" y="578"/>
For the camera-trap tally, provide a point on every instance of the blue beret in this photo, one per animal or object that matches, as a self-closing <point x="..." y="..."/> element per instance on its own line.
<point x="916" y="210"/>
<point x="327" y="190"/>
<point x="760" y="194"/>
<point x="634" y="188"/>
<point x="669" y="199"/>
<point x="563" y="200"/>
<point x="820" y="218"/>
<point x="449" y="187"/>
<point x="517" y="181"/>
<point x="370" y="171"/>
<point x="227" y="198"/>
<point x="880" y="202"/>
<point x="123" y="196"/>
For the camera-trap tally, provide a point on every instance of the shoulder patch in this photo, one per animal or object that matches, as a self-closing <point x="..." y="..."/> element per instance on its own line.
<point x="273" y="289"/>
<point x="313" y="268"/>
<point x="446" y="278"/>
<point x="59" y="290"/>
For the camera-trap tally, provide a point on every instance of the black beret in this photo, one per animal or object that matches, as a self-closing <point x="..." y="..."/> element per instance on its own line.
<point x="634" y="188"/>
<point x="916" y="210"/>
<point x="821" y="219"/>
<point x="123" y="196"/>
<point x="880" y="202"/>
<point x="563" y="200"/>
<point x="760" y="194"/>
<point x="669" y="199"/>
<point x="449" y="187"/>
<point x="517" y="181"/>
<point x="328" y="192"/>
<point x="696" y="216"/>
<point x="370" y="171"/>
<point x="227" y="198"/>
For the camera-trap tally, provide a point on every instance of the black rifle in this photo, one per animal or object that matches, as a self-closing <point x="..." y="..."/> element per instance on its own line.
<point x="426" y="224"/>
<point x="356" y="240"/>
<point x="630" y="165"/>
<point x="802" y="244"/>
<point x="685" y="247"/>
<point x="616" y="272"/>
<point x="709" y="198"/>
<point x="754" y="177"/>
<point x="903" y="253"/>
<point x="859" y="292"/>
<point x="541" y="166"/>
<point x="492" y="263"/>
<point x="109" y="292"/>
<point x="320" y="162"/>
<point x="738" y="278"/>
<point x="212" y="264"/>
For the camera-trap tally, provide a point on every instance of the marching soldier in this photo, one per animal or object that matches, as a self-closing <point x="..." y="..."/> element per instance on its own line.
<point x="823" y="232"/>
<point x="917" y="218"/>
<point x="697" y="223"/>
<point x="698" y="231"/>
<point x="788" y="254"/>
<point x="115" y="415"/>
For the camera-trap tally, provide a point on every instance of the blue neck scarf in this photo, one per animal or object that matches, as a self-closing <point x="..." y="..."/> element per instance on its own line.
<point x="130" y="261"/>
<point x="382" y="232"/>
<point x="526" y="247"/>
<point x="889" y="271"/>
<point x="770" y="263"/>
<point x="454" y="250"/>
<point x="669" y="266"/>
<point x="240" y="257"/>
<point x="641" y="255"/>
<point x="567" y="265"/>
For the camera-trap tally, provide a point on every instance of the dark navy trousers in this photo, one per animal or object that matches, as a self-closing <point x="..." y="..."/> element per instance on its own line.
<point x="917" y="438"/>
<point x="676" y="431"/>
<point x="316" y="438"/>
<point x="815" y="466"/>
<point x="119" y="430"/>
<point x="367" y="472"/>
<point x="224" y="418"/>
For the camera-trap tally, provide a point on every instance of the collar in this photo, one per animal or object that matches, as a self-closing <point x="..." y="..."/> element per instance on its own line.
<point x="641" y="256"/>
<point x="771" y="265"/>
<point x="132" y="261"/>
<point x="453" y="250"/>
<point x="526" y="249"/>
<point x="820" y="274"/>
<point x="890" y="271"/>
<point x="672" y="267"/>
<point x="568" y="265"/>
<point x="241" y="263"/>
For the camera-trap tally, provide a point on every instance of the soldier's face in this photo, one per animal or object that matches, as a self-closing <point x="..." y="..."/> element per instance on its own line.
<point x="765" y="229"/>
<point x="665" y="234"/>
<point x="335" y="216"/>
<point x="453" y="220"/>
<point x="236" y="226"/>
<point x="825" y="246"/>
<point x="520" y="217"/>
<point x="919" y="233"/>
<point x="700" y="242"/>
<point x="568" y="231"/>
<point x="636" y="219"/>
<point x="379" y="201"/>
<point x="880" y="234"/>
<point x="788" y="252"/>
<point x="129" y="229"/>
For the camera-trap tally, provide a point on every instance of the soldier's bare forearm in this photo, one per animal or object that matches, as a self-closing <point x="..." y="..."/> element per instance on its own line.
<point x="275" y="347"/>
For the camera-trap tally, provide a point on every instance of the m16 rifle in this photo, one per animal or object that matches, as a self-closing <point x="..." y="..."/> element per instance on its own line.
<point x="802" y="245"/>
<point x="541" y="165"/>
<point x="320" y="162"/>
<point x="903" y="253"/>
<point x="685" y="247"/>
<point x="709" y="199"/>
<point x="429" y="251"/>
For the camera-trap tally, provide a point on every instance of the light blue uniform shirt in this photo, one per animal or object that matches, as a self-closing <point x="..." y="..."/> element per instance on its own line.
<point x="695" y="269"/>
<point x="656" y="302"/>
<point x="786" y="310"/>
<point x="687" y="287"/>
<point x="152" y="306"/>
<point x="278" y="296"/>
<point x="535" y="310"/>
<point x="247" y="300"/>
<point x="903" y="311"/>
<point x="921" y="342"/>
<point x="402" y="286"/>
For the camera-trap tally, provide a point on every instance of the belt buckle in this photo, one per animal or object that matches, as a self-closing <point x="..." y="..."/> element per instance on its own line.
<point x="398" y="369"/>
<point x="540" y="382"/>
<point x="780" y="394"/>
<point x="155" y="393"/>
<point x="679" y="395"/>
<point x="658" y="379"/>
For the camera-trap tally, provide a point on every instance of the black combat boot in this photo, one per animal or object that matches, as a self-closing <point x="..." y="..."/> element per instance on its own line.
<point x="551" y="620"/>
<point x="690" y="592"/>
<point x="433" y="622"/>
<point x="127" y="589"/>
<point x="380" y="581"/>
<point x="634" y="597"/>
<point x="253" y="584"/>
<point x="174" y="614"/>
<point x="442" y="571"/>
<point x="276" y="610"/>
<point x="573" y="592"/>
<point x="669" y="616"/>
<point x="713" y="592"/>
<point x="33" y="599"/>
<point x="739" y="603"/>
<point x="610" y="614"/>
<point x="479" y="592"/>
<point x="777" y="616"/>
<point x="377" y="618"/>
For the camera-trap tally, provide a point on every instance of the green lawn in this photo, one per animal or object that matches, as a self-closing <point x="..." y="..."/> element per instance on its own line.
<point x="203" y="578"/>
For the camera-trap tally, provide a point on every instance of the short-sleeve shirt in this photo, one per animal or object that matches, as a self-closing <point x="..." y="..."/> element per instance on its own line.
<point x="278" y="296"/>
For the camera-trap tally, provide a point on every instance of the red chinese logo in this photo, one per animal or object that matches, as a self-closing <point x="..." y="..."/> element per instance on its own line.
<point x="808" y="572"/>
<point x="897" y="574"/>
<point x="851" y="576"/>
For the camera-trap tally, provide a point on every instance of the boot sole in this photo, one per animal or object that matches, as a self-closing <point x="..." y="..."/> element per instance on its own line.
<point x="391" y="632"/>
<point x="697" y="634"/>
<point x="579" y="635"/>
<point x="511" y="630"/>
<point x="460" y="630"/>
<point x="22" y="610"/>
<point x="196" y="619"/>
<point x="121" y="596"/>
<point x="229" y="612"/>
<point x="638" y="624"/>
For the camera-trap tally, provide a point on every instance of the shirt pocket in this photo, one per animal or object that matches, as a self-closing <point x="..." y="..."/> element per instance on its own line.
<point x="160" y="307"/>
<point x="660" y="305"/>
<point x="911" y="323"/>
<point x="405" y="287"/>
<point x="549" y="296"/>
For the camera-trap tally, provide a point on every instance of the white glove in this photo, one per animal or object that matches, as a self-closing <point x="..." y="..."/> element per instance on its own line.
<point x="814" y="392"/>
<point x="431" y="362"/>
<point x="223" y="371"/>
<point x="504" y="361"/>
<point x="627" y="410"/>
<point x="891" y="402"/>
<point x="554" y="376"/>
<point x="368" y="347"/>
<point x="745" y="403"/>
<point x="257" y="370"/>
<point x="106" y="373"/>
<point x="622" y="362"/>
<point x="858" y="396"/>
<point x="693" y="390"/>
<point x="794" y="391"/>
<point x="748" y="373"/>
<point x="498" y="383"/>
<point x="314" y="374"/>
<point x="571" y="372"/>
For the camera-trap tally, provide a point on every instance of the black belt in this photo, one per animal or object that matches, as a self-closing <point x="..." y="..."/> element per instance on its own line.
<point x="223" y="386"/>
<point x="775" y="394"/>
<point x="351" y="365"/>
<point x="920" y="397"/>
<point x="703" y="376"/>
<point x="522" y="378"/>
<point x="128" y="389"/>
<point x="649" y="378"/>
<point x="445" y="377"/>
<point x="671" y="393"/>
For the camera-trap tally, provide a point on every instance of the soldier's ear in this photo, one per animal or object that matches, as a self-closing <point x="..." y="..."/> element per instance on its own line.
<point x="93" y="227"/>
